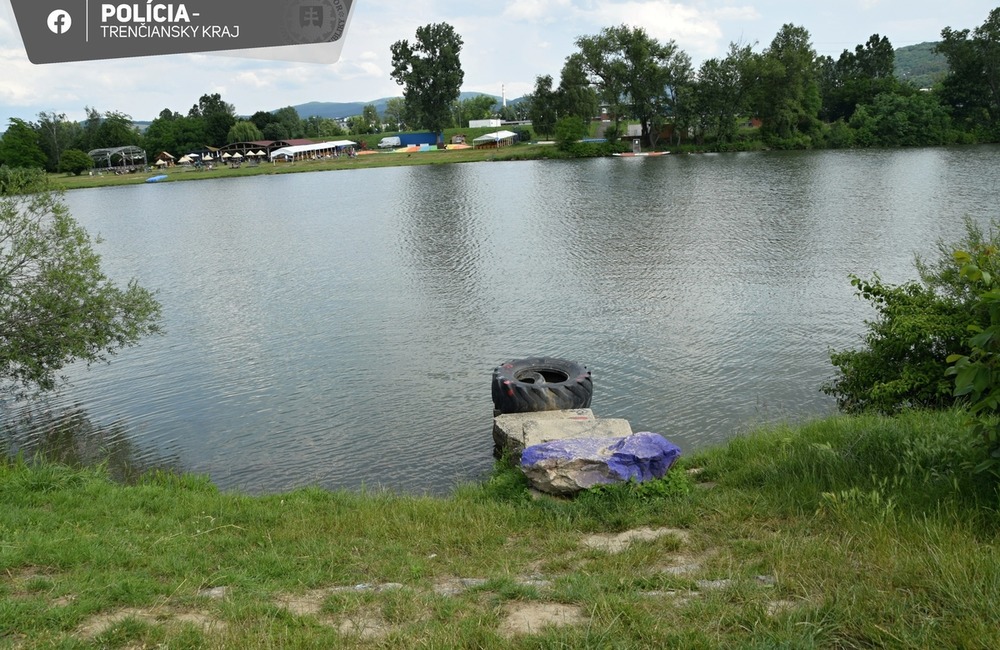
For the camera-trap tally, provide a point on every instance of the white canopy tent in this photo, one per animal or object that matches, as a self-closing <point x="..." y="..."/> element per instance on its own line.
<point x="495" y="139"/>
<point x="305" y="150"/>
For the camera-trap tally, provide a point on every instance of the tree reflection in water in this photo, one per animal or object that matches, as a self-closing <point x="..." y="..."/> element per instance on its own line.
<point x="67" y="436"/>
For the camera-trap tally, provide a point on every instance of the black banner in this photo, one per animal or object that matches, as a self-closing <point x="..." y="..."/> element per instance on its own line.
<point x="83" y="30"/>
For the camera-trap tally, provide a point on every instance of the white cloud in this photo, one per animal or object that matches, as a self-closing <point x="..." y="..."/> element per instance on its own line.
<point x="253" y="79"/>
<point x="735" y="14"/>
<point x="536" y="10"/>
<point x="694" y="31"/>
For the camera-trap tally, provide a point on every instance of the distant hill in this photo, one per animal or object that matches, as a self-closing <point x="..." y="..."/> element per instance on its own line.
<point x="338" y="110"/>
<point x="920" y="65"/>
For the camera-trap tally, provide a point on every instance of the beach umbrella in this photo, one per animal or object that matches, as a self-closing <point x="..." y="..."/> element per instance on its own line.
<point x="161" y="163"/>
<point x="226" y="155"/>
<point x="185" y="159"/>
<point x="193" y="155"/>
<point x="237" y="155"/>
<point x="207" y="157"/>
<point x="261" y="153"/>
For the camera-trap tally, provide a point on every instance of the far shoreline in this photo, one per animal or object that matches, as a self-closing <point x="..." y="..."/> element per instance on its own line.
<point x="365" y="160"/>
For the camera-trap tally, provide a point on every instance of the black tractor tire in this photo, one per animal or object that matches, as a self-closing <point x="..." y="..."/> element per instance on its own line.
<point x="541" y="384"/>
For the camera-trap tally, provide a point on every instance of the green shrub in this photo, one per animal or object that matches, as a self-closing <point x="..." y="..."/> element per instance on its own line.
<point x="595" y="149"/>
<point x="918" y="326"/>
<point x="75" y="162"/>
<point x="523" y="134"/>
<point x="977" y="372"/>
<point x="569" y="130"/>
<point x="22" y="180"/>
<point x="839" y="135"/>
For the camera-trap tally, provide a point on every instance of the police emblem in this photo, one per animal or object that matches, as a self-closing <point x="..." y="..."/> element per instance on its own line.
<point x="315" y="21"/>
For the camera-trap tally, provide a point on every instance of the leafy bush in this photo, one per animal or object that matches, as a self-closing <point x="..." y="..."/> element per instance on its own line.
<point x="919" y="325"/>
<point x="22" y="180"/>
<point x="523" y="134"/>
<point x="977" y="373"/>
<point x="569" y="130"/>
<point x="595" y="149"/>
<point x="75" y="162"/>
<point x="839" y="135"/>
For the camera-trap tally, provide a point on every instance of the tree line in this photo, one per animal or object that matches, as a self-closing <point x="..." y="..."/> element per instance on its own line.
<point x="798" y="98"/>
<point x="59" y="145"/>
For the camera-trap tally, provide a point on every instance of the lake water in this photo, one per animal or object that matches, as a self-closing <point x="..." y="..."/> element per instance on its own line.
<point x="340" y="328"/>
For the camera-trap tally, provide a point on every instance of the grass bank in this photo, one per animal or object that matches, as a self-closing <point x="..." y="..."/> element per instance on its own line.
<point x="363" y="161"/>
<point x="848" y="533"/>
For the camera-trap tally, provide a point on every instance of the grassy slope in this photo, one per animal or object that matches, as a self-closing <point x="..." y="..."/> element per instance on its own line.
<point x="380" y="159"/>
<point x="849" y="532"/>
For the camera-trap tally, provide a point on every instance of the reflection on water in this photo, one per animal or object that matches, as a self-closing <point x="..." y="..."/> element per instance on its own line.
<point x="69" y="437"/>
<point x="340" y="328"/>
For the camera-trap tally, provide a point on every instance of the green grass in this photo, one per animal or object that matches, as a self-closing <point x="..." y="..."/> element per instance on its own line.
<point x="364" y="161"/>
<point x="850" y="532"/>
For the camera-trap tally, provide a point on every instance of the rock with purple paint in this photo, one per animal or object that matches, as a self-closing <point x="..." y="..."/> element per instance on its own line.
<point x="564" y="467"/>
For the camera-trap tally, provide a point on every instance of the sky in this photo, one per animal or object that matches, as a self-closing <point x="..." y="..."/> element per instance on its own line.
<point x="506" y="45"/>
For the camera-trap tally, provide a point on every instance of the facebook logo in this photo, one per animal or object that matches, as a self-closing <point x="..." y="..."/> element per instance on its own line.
<point x="59" y="21"/>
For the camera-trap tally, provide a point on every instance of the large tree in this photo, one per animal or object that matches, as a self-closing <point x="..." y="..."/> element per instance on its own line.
<point x="289" y="118"/>
<point x="262" y="119"/>
<point x="369" y="113"/>
<point x="542" y="106"/>
<point x="479" y="107"/>
<point x="575" y="94"/>
<point x="116" y="130"/>
<point x="637" y="74"/>
<point x="217" y="117"/>
<point x="394" y="114"/>
<point x="321" y="128"/>
<point x="110" y="129"/>
<point x="789" y="98"/>
<point x="972" y="87"/>
<point x="722" y="92"/>
<point x="275" y="131"/>
<point x="56" y="305"/>
<point x="243" y="131"/>
<point x="174" y="133"/>
<point x="431" y="74"/>
<point x="20" y="146"/>
<point x="56" y="135"/>
<point x="857" y="77"/>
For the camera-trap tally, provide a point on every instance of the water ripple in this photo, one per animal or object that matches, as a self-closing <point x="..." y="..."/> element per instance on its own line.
<point x="339" y="329"/>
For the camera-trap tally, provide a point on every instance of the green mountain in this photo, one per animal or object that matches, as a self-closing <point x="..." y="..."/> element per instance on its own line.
<point x="339" y="110"/>
<point x="920" y="65"/>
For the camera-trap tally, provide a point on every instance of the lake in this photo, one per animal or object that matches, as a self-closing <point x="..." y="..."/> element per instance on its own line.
<point x="340" y="328"/>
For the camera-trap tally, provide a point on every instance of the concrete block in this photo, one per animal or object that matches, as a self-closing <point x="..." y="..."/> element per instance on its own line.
<point x="512" y="432"/>
<point x="508" y="428"/>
